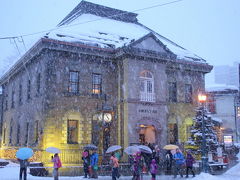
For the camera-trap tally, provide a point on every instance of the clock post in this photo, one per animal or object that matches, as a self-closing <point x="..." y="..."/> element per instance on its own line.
<point x="107" y="121"/>
<point x="105" y="117"/>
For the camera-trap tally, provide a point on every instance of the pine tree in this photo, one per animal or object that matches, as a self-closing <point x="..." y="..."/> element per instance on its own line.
<point x="196" y="137"/>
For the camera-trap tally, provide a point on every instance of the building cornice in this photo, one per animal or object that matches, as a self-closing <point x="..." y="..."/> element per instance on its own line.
<point x="109" y="53"/>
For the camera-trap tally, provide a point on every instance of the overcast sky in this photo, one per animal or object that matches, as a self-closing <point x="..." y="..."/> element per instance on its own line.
<point x="208" y="28"/>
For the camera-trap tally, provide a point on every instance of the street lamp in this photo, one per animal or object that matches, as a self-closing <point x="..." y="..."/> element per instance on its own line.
<point x="202" y="99"/>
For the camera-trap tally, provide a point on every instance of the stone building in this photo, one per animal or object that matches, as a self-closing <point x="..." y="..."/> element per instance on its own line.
<point x="108" y="81"/>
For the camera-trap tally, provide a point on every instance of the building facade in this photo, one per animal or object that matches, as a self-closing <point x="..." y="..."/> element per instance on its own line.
<point x="106" y="88"/>
<point x="223" y="104"/>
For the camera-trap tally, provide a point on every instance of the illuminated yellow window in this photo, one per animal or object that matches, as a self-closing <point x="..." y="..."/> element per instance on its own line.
<point x="96" y="83"/>
<point x="72" y="132"/>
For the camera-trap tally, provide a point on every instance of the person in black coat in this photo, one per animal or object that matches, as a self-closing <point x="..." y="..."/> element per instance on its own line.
<point x="23" y="168"/>
<point x="168" y="160"/>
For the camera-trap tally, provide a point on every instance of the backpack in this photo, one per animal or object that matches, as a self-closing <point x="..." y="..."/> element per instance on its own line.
<point x="59" y="163"/>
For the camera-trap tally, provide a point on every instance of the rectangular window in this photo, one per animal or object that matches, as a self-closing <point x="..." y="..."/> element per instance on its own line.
<point x="36" y="132"/>
<point x="6" y="102"/>
<point x="20" y="94"/>
<point x="38" y="83"/>
<point x="26" y="135"/>
<point x="188" y="128"/>
<point x="188" y="93"/>
<point x="72" y="132"/>
<point x="73" y="82"/>
<point x="4" y="135"/>
<point x="142" y="86"/>
<point x="18" y="134"/>
<point x="13" y="100"/>
<point x="211" y="104"/>
<point x="10" y="134"/>
<point x="29" y="90"/>
<point x="149" y="87"/>
<point x="96" y="84"/>
<point x="173" y="133"/>
<point x="172" y="87"/>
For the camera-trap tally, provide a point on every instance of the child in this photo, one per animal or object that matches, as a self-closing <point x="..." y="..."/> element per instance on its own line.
<point x="153" y="169"/>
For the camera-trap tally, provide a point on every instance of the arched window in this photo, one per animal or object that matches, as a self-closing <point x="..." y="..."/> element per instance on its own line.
<point x="147" y="86"/>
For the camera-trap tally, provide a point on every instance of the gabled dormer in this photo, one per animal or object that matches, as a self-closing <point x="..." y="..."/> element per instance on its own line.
<point x="151" y="43"/>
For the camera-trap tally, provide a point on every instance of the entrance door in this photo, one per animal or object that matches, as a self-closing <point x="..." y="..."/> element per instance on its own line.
<point x="147" y="135"/>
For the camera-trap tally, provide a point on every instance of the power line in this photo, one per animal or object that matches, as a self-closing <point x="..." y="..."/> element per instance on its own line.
<point x="98" y="19"/>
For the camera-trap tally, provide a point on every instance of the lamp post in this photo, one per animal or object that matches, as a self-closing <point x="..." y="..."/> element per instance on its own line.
<point x="202" y="99"/>
<point x="106" y="118"/>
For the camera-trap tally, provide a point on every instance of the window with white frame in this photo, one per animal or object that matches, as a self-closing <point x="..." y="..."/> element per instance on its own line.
<point x="147" y="86"/>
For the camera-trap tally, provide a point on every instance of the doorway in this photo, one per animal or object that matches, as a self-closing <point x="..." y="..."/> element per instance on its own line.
<point x="147" y="134"/>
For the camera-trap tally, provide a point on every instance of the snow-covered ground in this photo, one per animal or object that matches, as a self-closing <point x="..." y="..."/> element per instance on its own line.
<point x="11" y="172"/>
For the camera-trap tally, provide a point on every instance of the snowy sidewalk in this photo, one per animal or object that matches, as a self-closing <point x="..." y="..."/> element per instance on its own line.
<point x="11" y="172"/>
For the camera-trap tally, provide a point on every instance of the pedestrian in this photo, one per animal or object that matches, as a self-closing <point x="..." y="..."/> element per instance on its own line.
<point x="86" y="163"/>
<point x="153" y="169"/>
<point x="94" y="164"/>
<point x="115" y="165"/>
<point x="168" y="160"/>
<point x="57" y="164"/>
<point x="189" y="163"/>
<point x="23" y="168"/>
<point x="138" y="167"/>
<point x="178" y="157"/>
<point x="117" y="155"/>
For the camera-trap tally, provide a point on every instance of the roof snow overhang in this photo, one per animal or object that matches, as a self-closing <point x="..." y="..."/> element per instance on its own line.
<point x="120" y="53"/>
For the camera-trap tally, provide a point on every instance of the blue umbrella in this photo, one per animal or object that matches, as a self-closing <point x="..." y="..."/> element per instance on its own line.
<point x="24" y="153"/>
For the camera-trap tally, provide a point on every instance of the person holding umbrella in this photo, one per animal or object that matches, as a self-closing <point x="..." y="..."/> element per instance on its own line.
<point x="86" y="163"/>
<point x="23" y="154"/>
<point x="115" y="165"/>
<point x="57" y="164"/>
<point x="23" y="168"/>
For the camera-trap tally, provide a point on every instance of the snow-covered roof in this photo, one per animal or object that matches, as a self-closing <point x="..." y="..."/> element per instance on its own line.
<point x="220" y="87"/>
<point x="217" y="119"/>
<point x="98" y="26"/>
<point x="114" y="31"/>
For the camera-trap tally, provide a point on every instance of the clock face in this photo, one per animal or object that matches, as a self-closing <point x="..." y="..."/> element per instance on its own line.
<point x="107" y="117"/>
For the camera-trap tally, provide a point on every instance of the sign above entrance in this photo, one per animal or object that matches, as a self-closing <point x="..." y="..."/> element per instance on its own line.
<point x="147" y="111"/>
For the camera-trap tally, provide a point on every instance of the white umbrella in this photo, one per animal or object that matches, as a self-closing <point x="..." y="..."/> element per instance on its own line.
<point x="90" y="147"/>
<point x="145" y="149"/>
<point x="53" y="150"/>
<point x="113" y="148"/>
<point x="130" y="150"/>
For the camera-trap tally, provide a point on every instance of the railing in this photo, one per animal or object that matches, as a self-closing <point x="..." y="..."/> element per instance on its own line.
<point x="148" y="97"/>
